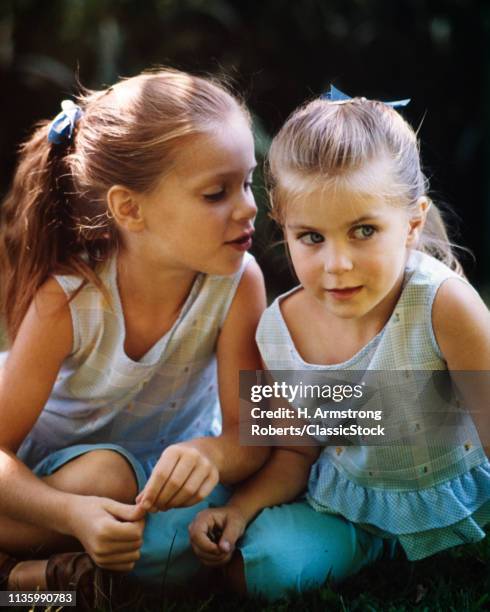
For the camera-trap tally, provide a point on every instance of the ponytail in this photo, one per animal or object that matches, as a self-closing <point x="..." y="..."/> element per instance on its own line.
<point x="38" y="236"/>
<point x="435" y="240"/>
<point x="55" y="220"/>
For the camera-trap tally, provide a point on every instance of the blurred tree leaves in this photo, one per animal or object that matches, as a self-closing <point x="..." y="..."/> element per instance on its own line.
<point x="278" y="53"/>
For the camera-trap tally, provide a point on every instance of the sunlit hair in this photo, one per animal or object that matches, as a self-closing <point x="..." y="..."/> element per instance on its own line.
<point x="337" y="145"/>
<point x="55" y="217"/>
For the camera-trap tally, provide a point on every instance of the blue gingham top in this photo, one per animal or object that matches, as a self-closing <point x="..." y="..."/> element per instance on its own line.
<point x="427" y="496"/>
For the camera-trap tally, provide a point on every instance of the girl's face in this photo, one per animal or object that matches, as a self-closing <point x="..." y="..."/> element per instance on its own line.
<point x="349" y="251"/>
<point x="200" y="217"/>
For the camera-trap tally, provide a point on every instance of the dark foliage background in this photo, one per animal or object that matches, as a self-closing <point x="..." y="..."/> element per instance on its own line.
<point x="278" y="53"/>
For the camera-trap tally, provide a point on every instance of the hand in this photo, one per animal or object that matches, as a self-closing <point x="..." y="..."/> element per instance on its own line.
<point x="183" y="476"/>
<point x="110" y="532"/>
<point x="214" y="533"/>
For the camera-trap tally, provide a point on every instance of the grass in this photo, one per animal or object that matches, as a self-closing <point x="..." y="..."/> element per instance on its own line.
<point x="457" y="580"/>
<point x="453" y="581"/>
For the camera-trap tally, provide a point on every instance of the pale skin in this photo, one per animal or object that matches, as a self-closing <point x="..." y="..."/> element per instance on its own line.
<point x="340" y="243"/>
<point x="165" y="246"/>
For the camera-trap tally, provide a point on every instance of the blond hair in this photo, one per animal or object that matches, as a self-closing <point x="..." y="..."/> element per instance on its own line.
<point x="55" y="217"/>
<point x="328" y="144"/>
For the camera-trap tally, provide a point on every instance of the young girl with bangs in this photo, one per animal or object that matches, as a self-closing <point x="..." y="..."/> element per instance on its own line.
<point x="380" y="289"/>
<point x="131" y="304"/>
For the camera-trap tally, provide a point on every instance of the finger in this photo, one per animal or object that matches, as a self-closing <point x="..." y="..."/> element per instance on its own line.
<point x="205" y="519"/>
<point x="202" y="542"/>
<point x="115" y="531"/>
<point x="159" y="476"/>
<point x="125" y="512"/>
<point x="140" y="499"/>
<point x="205" y="490"/>
<point x="120" y="558"/>
<point x="203" y="527"/>
<point x="207" y="555"/>
<point x="175" y="481"/>
<point x="232" y="531"/>
<point x="190" y="487"/>
<point x="115" y="547"/>
<point x="140" y="526"/>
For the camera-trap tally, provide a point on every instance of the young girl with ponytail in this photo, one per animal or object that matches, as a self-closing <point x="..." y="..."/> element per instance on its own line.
<point x="131" y="304"/>
<point x="381" y="290"/>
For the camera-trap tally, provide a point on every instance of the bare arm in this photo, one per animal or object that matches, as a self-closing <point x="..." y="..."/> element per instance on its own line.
<point x="43" y="342"/>
<point x="187" y="472"/>
<point x="281" y="480"/>
<point x="461" y="324"/>
<point x="106" y="528"/>
<point x="237" y="351"/>
<point x="215" y="531"/>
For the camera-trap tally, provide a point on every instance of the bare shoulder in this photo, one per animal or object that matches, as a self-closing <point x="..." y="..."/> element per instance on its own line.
<point x="293" y="307"/>
<point x="458" y="304"/>
<point x="252" y="278"/>
<point x="43" y="341"/>
<point x="47" y="323"/>
<point x="236" y="349"/>
<point x="50" y="299"/>
<point x="461" y="323"/>
<point x="249" y="300"/>
<point x="50" y="308"/>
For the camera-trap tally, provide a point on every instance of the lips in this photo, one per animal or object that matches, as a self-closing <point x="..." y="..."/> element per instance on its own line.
<point x="242" y="242"/>
<point x="344" y="293"/>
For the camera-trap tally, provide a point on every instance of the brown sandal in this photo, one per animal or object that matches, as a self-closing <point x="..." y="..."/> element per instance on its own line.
<point x="77" y="572"/>
<point x="6" y="567"/>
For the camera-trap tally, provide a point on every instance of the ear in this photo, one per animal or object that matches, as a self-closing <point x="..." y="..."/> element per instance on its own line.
<point x="416" y="220"/>
<point x="125" y="208"/>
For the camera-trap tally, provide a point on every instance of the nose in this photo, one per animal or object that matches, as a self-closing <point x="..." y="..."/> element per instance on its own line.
<point x="337" y="259"/>
<point x="245" y="207"/>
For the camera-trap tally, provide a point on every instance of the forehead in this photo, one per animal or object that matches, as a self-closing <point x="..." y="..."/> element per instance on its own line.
<point x="225" y="149"/>
<point x="332" y="207"/>
<point x="368" y="190"/>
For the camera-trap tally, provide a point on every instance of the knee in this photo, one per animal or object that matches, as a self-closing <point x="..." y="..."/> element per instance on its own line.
<point x="273" y="571"/>
<point x="274" y="577"/>
<point x="104" y="473"/>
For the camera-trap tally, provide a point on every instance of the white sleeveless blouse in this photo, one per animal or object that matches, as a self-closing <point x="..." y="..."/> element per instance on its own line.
<point x="169" y="395"/>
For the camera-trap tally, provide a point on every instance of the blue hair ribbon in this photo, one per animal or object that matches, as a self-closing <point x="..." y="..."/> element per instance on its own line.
<point x="62" y="127"/>
<point x="335" y="95"/>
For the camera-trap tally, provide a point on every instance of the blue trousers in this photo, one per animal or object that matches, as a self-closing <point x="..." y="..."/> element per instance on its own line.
<point x="287" y="548"/>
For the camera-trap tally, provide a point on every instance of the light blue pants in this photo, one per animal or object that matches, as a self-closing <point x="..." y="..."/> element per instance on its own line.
<point x="292" y="548"/>
<point x="288" y="548"/>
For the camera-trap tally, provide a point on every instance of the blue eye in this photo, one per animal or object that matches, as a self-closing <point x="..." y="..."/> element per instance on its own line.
<point x="311" y="238"/>
<point x="363" y="232"/>
<point x="215" y="197"/>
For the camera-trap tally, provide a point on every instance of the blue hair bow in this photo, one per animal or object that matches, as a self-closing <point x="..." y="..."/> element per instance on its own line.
<point x="335" y="95"/>
<point x="62" y="126"/>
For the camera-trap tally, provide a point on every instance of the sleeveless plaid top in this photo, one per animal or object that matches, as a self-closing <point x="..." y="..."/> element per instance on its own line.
<point x="169" y="395"/>
<point x="426" y="495"/>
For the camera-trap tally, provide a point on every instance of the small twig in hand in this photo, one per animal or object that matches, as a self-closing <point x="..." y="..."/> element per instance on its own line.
<point x="214" y="533"/>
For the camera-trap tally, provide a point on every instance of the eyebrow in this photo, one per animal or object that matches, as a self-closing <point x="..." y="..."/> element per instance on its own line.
<point x="364" y="218"/>
<point x="357" y="221"/>
<point x="221" y="175"/>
